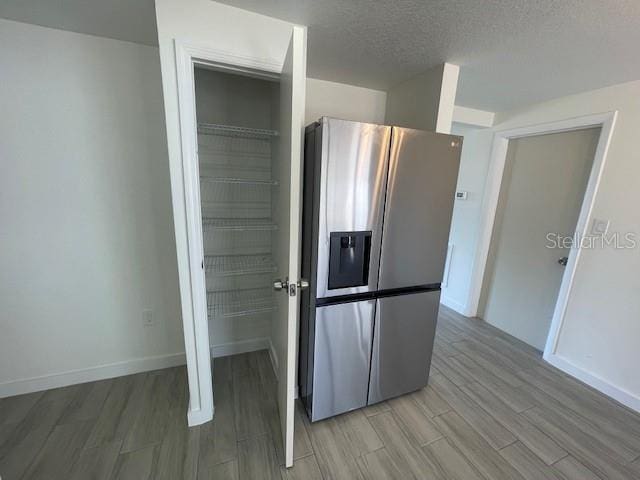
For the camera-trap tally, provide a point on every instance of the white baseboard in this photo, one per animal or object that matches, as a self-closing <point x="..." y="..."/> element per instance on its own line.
<point x="241" y="346"/>
<point x="198" y="417"/>
<point x="459" y="307"/>
<point x="620" y="395"/>
<point x="91" y="374"/>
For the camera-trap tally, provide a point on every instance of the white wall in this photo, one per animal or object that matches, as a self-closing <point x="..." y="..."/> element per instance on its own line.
<point x="426" y="101"/>
<point x="465" y="223"/>
<point x="87" y="237"/>
<point x="414" y="102"/>
<point x="348" y="102"/>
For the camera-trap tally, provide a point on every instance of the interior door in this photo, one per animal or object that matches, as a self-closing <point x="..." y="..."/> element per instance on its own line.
<point x="287" y="210"/>
<point x="542" y="192"/>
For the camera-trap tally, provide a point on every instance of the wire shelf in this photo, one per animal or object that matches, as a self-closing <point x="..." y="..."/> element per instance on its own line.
<point x="213" y="168"/>
<point x="238" y="224"/>
<point x="237" y="242"/>
<point x="234" y="131"/>
<point x="237" y="181"/>
<point x="236" y="303"/>
<point x="233" y="209"/>
<point x="236" y="192"/>
<point x="232" y="197"/>
<point x="230" y="265"/>
<point x="212" y="148"/>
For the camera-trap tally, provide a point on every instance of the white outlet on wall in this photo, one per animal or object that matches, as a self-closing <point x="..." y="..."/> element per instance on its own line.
<point x="147" y="318"/>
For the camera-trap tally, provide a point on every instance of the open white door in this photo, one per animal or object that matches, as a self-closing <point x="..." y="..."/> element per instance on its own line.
<point x="287" y="212"/>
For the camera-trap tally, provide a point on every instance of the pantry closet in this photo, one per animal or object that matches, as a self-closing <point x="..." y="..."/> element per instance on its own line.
<point x="237" y="142"/>
<point x="235" y="128"/>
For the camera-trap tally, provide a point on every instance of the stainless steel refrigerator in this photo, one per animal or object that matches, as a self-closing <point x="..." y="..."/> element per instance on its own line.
<point x="377" y="210"/>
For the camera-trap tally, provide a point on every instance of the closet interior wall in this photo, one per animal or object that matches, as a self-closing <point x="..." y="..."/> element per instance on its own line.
<point x="237" y="142"/>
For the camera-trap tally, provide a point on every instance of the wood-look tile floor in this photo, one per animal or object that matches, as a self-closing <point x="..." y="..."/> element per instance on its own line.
<point x="492" y="410"/>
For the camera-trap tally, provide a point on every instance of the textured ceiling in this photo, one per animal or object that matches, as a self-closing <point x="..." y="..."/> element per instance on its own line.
<point x="129" y="20"/>
<point x="512" y="52"/>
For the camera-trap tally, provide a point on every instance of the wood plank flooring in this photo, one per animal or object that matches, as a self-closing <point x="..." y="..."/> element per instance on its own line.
<point x="492" y="410"/>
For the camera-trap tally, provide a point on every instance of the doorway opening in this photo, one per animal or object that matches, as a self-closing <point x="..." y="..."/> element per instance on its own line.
<point x="542" y="190"/>
<point x="492" y="223"/>
<point x="238" y="164"/>
<point x="237" y="119"/>
<point x="237" y="215"/>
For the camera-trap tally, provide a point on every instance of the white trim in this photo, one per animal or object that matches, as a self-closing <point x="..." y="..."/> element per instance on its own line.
<point x="231" y="62"/>
<point x="91" y="374"/>
<point x="620" y="395"/>
<point x="198" y="417"/>
<point x="288" y="360"/>
<point x="453" y="304"/>
<point x="446" y="102"/>
<point x="473" y="116"/>
<point x="196" y="329"/>
<point x="241" y="346"/>
<point x="192" y="284"/>
<point x="490" y="202"/>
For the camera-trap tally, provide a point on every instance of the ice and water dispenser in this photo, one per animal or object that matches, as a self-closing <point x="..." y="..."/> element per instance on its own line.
<point x="349" y="254"/>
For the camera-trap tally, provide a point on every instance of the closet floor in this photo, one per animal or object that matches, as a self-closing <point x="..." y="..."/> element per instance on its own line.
<point x="492" y="410"/>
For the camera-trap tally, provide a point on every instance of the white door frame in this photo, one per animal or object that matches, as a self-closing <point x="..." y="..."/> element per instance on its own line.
<point x="606" y="122"/>
<point x="196" y="328"/>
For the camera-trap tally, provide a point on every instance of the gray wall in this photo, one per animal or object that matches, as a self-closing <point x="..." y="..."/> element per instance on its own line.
<point x="415" y="102"/>
<point x="234" y="99"/>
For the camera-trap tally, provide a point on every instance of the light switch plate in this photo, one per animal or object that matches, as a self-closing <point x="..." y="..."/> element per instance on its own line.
<point x="599" y="226"/>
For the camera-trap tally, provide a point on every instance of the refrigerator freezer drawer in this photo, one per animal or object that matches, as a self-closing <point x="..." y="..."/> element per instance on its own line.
<point x="403" y="342"/>
<point x="342" y="353"/>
